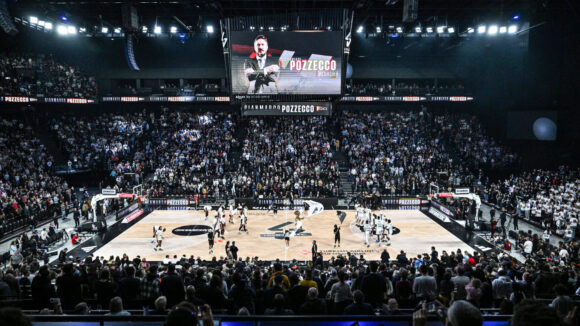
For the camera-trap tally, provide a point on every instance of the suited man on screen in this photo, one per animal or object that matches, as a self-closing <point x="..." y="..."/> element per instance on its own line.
<point x="262" y="69"/>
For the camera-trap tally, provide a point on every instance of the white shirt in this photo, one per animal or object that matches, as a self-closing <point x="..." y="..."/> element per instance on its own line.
<point x="159" y="234"/>
<point x="528" y="247"/>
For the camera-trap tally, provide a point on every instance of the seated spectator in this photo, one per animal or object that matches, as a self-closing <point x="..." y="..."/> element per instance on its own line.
<point x="359" y="307"/>
<point x="279" y="308"/>
<point x="313" y="305"/>
<point x="160" y="306"/>
<point x="116" y="308"/>
<point x="562" y="303"/>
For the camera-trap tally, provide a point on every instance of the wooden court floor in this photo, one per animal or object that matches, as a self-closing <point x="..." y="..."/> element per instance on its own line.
<point x="417" y="234"/>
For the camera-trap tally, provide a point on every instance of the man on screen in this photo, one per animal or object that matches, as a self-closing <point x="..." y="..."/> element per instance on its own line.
<point x="262" y="69"/>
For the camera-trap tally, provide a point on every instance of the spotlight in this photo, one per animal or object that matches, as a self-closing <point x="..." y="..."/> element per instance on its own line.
<point x="502" y="30"/>
<point x="516" y="17"/>
<point x="33" y="20"/>
<point x="492" y="30"/>
<point x="271" y="28"/>
<point x="512" y="29"/>
<point x="144" y="29"/>
<point x="173" y="29"/>
<point x="429" y="29"/>
<point x="418" y="29"/>
<point x="157" y="30"/>
<point x="360" y="29"/>
<point x="61" y="30"/>
<point x="41" y="23"/>
<point x="209" y="29"/>
<point x="118" y="30"/>
<point x="82" y="30"/>
<point x="64" y="18"/>
<point x="481" y="29"/>
<point x="451" y="30"/>
<point x="252" y="28"/>
<point x="48" y="26"/>
<point x="378" y="29"/>
<point x="470" y="30"/>
<point x="399" y="29"/>
<point x="440" y="29"/>
<point x="71" y="30"/>
<point x="182" y="36"/>
<point x="104" y="30"/>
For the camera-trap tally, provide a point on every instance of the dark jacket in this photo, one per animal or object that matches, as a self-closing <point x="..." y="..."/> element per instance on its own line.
<point x="172" y="288"/>
<point x="359" y="309"/>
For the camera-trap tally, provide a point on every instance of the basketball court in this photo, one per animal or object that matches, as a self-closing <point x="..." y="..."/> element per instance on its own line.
<point x="186" y="235"/>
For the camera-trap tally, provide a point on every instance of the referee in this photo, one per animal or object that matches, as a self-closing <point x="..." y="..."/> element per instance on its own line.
<point x="336" y="235"/>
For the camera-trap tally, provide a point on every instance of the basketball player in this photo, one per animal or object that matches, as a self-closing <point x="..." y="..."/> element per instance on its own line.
<point x="358" y="214"/>
<point x="232" y="213"/>
<point x="216" y="227"/>
<point x="287" y="237"/>
<point x="155" y="228"/>
<point x="206" y="210"/>
<point x="298" y="222"/>
<point x="367" y="228"/>
<point x="220" y="210"/>
<point x="159" y="234"/>
<point x="222" y="225"/>
<point x="379" y="230"/>
<point x="243" y="223"/>
<point x="389" y="229"/>
<point x="210" y="237"/>
<point x="336" y="235"/>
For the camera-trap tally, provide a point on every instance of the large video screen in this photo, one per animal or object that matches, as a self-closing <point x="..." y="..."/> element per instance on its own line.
<point x="306" y="63"/>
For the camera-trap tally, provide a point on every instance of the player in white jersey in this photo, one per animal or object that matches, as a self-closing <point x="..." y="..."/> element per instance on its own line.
<point x="243" y="220"/>
<point x="367" y="228"/>
<point x="232" y="213"/>
<point x="359" y="211"/>
<point x="159" y="237"/>
<point x="367" y="217"/>
<point x="389" y="231"/>
<point x="155" y="228"/>
<point x="379" y="229"/>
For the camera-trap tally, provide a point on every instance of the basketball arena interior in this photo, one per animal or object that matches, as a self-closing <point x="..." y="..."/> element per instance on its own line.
<point x="246" y="163"/>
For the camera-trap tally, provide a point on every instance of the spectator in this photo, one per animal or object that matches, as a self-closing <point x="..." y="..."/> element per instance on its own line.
<point x="116" y="308"/>
<point x="359" y="307"/>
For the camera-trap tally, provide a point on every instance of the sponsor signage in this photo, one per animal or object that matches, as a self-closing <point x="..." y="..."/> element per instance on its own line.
<point x="108" y="192"/>
<point x="445" y="195"/>
<point x="438" y="214"/>
<point x="127" y="210"/>
<point x="462" y="191"/>
<point x="425" y="98"/>
<point x="133" y="216"/>
<point x="442" y="208"/>
<point x="287" y="108"/>
<point x="192" y="230"/>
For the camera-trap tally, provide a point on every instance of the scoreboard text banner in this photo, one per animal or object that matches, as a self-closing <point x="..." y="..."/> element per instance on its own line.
<point x="289" y="108"/>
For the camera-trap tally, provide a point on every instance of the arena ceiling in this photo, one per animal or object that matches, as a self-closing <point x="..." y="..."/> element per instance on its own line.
<point x="193" y="12"/>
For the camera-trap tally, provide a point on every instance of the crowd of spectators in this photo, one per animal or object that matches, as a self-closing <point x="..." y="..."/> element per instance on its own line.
<point x="38" y="75"/>
<point x="29" y="192"/>
<point x="339" y="285"/>
<point x="403" y="152"/>
<point x="547" y="197"/>
<point x="191" y="154"/>
<point x="289" y="156"/>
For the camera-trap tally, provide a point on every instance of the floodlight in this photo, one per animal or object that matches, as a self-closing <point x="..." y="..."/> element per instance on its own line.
<point x="61" y="30"/>
<point x="157" y="30"/>
<point x="33" y="20"/>
<point x="492" y="30"/>
<point x="512" y="29"/>
<point x="209" y="29"/>
<point x="481" y="29"/>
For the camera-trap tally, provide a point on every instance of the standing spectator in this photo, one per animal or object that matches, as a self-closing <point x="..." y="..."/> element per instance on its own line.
<point x="69" y="287"/>
<point x="172" y="286"/>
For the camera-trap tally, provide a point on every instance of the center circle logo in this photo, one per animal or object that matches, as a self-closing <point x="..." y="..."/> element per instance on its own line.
<point x="191" y="230"/>
<point x="396" y="230"/>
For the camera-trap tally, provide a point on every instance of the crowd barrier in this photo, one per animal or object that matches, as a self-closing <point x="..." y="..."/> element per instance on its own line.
<point x="371" y="320"/>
